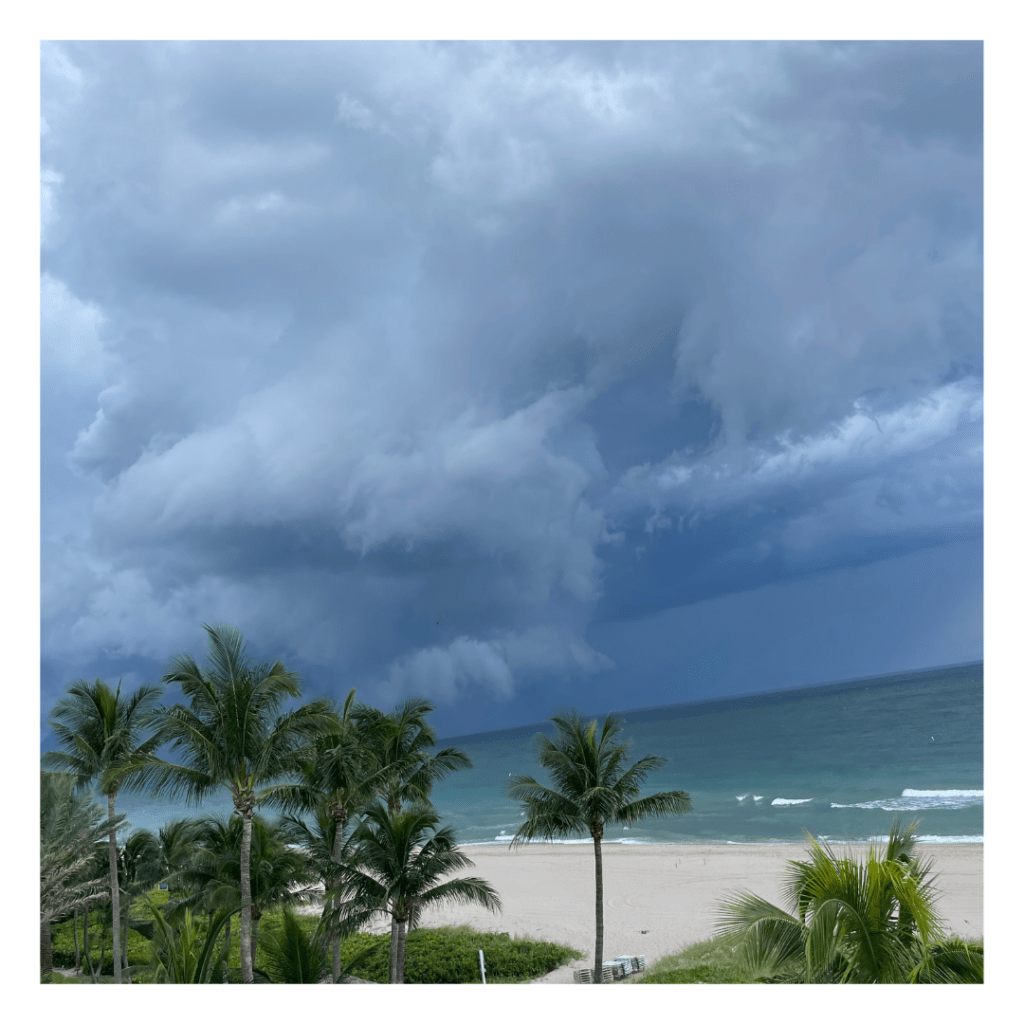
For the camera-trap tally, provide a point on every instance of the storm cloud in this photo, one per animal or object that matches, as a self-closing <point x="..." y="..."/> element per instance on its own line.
<point x="432" y="366"/>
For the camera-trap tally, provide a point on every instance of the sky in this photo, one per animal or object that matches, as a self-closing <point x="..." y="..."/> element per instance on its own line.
<point x="516" y="376"/>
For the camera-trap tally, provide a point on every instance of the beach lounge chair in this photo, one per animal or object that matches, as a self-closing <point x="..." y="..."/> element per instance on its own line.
<point x="611" y="971"/>
<point x="626" y="963"/>
<point x="583" y="977"/>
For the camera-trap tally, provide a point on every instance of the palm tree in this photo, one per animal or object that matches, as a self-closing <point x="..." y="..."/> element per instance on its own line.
<point x="336" y="777"/>
<point x="399" y="744"/>
<point x="396" y="869"/>
<point x="176" y="840"/>
<point x="100" y="733"/>
<point x="139" y="871"/>
<point x="591" y="787"/>
<point x="68" y="876"/>
<point x="324" y="843"/>
<point x="232" y="735"/>
<point x="294" y="957"/>
<point x="850" y="922"/>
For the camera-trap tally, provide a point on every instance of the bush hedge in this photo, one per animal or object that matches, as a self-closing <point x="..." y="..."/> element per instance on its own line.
<point x="449" y="956"/>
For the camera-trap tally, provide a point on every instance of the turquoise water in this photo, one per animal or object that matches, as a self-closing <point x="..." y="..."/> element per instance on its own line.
<point x="836" y="761"/>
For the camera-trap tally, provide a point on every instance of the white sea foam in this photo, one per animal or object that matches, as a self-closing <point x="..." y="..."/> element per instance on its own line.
<point x="781" y="801"/>
<point x="920" y="839"/>
<point x="756" y="798"/>
<point x="924" y="799"/>
<point x="944" y="792"/>
<point x="742" y="797"/>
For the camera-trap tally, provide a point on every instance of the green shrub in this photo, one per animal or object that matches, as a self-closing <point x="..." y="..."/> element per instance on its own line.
<point x="449" y="956"/>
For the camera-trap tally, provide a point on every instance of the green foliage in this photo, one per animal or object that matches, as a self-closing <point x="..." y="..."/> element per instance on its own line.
<point x="717" y="961"/>
<point x="292" y="956"/>
<point x="448" y="956"/>
<point x="184" y="951"/>
<point x="139" y="949"/>
<point x="851" y="922"/>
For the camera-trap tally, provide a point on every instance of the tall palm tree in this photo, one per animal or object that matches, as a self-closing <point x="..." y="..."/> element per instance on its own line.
<point x="101" y="736"/>
<point x="396" y="869"/>
<point x="404" y="769"/>
<point x="592" y="786"/>
<point x="232" y="734"/>
<point x="68" y="876"/>
<point x="851" y="922"/>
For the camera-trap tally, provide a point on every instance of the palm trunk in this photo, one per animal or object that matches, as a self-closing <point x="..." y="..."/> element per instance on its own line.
<point x="45" y="949"/>
<point x="124" y="939"/>
<point x="255" y="936"/>
<point x="393" y="961"/>
<point x="339" y="828"/>
<point x="400" y="980"/>
<point x="78" y="952"/>
<point x="227" y="949"/>
<point x="85" y="939"/>
<point x="598" y="910"/>
<point x="103" y="953"/>
<point x="115" y="891"/>
<point x="245" y="930"/>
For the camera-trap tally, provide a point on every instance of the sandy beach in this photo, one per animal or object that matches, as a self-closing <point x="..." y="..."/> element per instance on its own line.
<point x="660" y="898"/>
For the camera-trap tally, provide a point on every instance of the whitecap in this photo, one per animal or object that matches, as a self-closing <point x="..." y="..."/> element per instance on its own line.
<point x="781" y="801"/>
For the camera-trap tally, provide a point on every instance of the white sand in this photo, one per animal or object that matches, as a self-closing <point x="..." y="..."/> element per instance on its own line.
<point x="659" y="899"/>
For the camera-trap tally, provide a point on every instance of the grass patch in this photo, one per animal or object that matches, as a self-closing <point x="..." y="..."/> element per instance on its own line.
<point x="712" y="962"/>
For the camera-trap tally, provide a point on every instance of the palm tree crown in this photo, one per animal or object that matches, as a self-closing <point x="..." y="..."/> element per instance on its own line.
<point x="404" y="770"/>
<point x="396" y="869"/>
<point x="592" y="786"/>
<point x="850" y="922"/>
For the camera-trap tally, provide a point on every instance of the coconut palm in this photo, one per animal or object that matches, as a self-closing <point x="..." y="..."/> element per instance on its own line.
<point x="232" y="734"/>
<point x="69" y="878"/>
<point x="101" y="736"/>
<point x="338" y="775"/>
<point x="850" y="922"/>
<point x="592" y="787"/>
<point x="324" y="842"/>
<point x="399" y="743"/>
<point x="139" y="871"/>
<point x="397" y="867"/>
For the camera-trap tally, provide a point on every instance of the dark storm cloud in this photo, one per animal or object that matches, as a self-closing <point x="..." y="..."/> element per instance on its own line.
<point x="402" y="357"/>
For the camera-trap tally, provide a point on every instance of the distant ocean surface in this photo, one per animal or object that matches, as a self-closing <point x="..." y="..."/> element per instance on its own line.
<point x="836" y="761"/>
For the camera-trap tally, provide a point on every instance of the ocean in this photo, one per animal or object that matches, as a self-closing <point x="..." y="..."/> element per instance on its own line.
<point x="836" y="761"/>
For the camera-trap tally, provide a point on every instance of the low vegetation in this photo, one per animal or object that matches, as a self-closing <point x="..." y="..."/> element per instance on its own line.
<point x="717" y="961"/>
<point x="440" y="956"/>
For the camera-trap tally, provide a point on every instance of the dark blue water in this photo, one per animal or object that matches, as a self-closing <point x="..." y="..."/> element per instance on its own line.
<point x="836" y="761"/>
